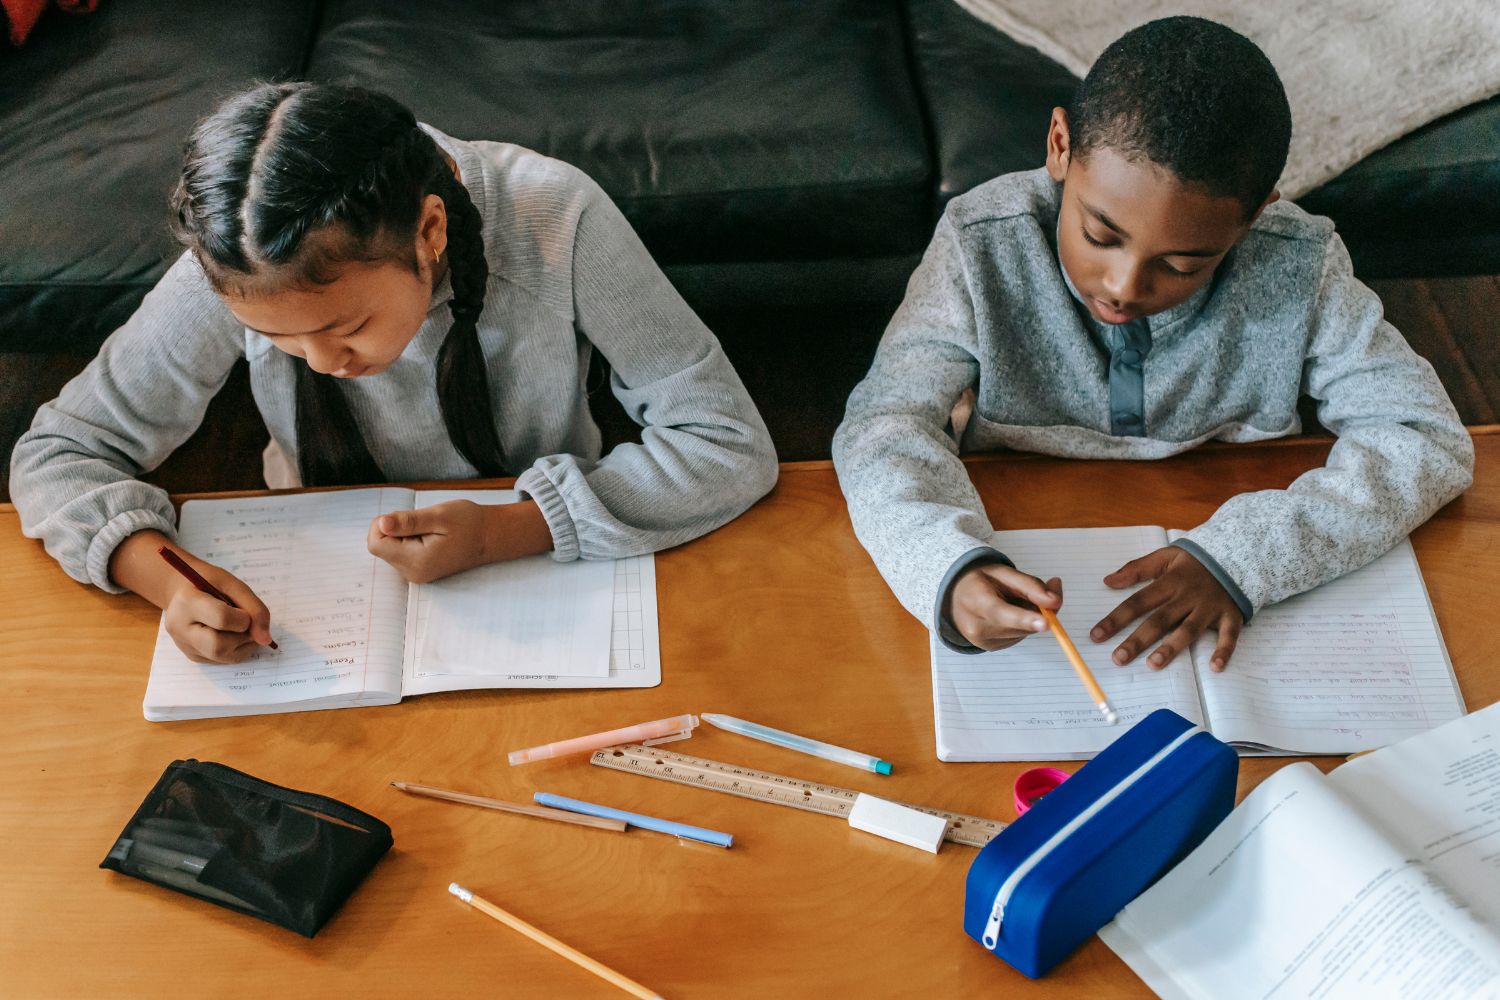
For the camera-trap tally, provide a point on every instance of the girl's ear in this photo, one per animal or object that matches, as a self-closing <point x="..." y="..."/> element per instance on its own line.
<point x="432" y="230"/>
<point x="1059" y="153"/>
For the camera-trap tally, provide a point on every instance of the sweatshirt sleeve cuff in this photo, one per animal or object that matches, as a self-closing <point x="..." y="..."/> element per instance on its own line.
<point x="1195" y="550"/>
<point x="946" y="633"/>
<point x="534" y="484"/>
<point x="109" y="537"/>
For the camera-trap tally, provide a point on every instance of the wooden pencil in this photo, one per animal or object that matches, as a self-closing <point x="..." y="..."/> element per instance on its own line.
<point x="551" y="943"/>
<point x="540" y="812"/>
<point x="1079" y="667"/>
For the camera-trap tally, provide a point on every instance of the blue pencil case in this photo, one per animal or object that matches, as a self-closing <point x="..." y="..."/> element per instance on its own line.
<point x="1062" y="870"/>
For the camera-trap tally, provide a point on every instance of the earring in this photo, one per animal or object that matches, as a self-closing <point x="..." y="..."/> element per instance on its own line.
<point x="437" y="255"/>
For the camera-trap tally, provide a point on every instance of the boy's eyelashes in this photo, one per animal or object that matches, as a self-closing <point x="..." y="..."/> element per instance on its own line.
<point x="1177" y="272"/>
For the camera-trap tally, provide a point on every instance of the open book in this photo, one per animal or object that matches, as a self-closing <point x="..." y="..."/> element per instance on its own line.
<point x="1352" y="665"/>
<point x="1380" y="879"/>
<point x="353" y="632"/>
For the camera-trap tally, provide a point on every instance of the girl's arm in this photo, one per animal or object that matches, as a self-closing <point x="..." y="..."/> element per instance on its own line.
<point x="73" y="473"/>
<point x="705" y="454"/>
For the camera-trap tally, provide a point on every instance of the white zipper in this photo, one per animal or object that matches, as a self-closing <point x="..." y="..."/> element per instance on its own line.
<point x="1008" y="887"/>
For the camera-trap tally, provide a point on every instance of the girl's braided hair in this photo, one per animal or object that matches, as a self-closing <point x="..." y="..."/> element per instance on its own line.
<point x="285" y="182"/>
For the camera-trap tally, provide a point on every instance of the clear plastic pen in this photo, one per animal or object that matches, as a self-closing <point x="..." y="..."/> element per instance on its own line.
<point x="791" y="741"/>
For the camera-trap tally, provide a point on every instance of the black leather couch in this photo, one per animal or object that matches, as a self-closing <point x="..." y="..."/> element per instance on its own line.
<point x="785" y="160"/>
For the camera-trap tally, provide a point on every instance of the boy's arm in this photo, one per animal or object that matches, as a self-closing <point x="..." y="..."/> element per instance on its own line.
<point x="910" y="498"/>
<point x="1401" y="454"/>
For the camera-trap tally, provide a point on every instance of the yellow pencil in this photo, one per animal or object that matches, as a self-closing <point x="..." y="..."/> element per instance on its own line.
<point x="546" y="940"/>
<point x="1080" y="668"/>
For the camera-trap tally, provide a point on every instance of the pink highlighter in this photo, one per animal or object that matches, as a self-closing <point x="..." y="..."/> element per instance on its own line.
<point x="679" y="727"/>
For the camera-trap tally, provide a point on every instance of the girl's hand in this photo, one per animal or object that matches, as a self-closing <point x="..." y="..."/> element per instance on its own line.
<point x="205" y="628"/>
<point x="430" y="543"/>
<point x="994" y="606"/>
<point x="1183" y="600"/>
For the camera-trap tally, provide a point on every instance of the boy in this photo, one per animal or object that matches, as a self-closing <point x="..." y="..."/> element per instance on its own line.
<point x="1143" y="293"/>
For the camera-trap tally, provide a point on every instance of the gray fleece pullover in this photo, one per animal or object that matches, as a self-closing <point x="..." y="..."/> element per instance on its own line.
<point x="991" y="308"/>
<point x="567" y="276"/>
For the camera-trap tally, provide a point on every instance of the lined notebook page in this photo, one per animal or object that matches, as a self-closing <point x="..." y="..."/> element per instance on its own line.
<point x="1025" y="702"/>
<point x="525" y="616"/>
<point x="337" y="612"/>
<point x="1353" y="665"/>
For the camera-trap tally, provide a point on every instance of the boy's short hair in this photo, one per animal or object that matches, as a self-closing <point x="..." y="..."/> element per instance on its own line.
<point x="1193" y="96"/>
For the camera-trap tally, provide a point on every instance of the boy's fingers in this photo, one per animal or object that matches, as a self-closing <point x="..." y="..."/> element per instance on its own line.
<point x="1177" y="640"/>
<point x="1147" y="632"/>
<point x="1128" y="611"/>
<point x="1229" y="635"/>
<point x="1147" y="567"/>
<point x="1022" y="585"/>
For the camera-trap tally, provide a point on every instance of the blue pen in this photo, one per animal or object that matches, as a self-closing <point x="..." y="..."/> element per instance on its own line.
<point x="635" y="819"/>
<point x="817" y="748"/>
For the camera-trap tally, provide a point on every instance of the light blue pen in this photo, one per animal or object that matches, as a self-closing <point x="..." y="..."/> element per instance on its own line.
<point x="636" y="819"/>
<point x="791" y="741"/>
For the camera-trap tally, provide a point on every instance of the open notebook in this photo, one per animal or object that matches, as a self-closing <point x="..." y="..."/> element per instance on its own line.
<point x="1352" y="665"/>
<point x="352" y="632"/>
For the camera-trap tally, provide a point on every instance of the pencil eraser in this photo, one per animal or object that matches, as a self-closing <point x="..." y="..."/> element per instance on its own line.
<point x="897" y="822"/>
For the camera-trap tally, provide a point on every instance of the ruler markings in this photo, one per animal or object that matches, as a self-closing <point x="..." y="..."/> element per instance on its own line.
<point x="830" y="800"/>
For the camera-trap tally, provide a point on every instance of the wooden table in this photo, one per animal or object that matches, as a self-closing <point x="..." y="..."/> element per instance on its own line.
<point x="779" y="616"/>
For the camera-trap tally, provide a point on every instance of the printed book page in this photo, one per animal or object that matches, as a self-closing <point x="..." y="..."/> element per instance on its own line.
<point x="1355" y="664"/>
<point x="634" y="650"/>
<point x="516" y="618"/>
<point x="337" y="612"/>
<point x="1026" y="702"/>
<point x="1379" y="880"/>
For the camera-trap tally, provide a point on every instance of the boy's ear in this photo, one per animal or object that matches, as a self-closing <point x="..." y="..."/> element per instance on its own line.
<point x="1272" y="197"/>
<point x="1058" y="145"/>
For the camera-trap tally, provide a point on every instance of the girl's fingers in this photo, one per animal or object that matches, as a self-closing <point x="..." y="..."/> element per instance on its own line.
<point x="1177" y="640"/>
<point x="214" y="614"/>
<point x="401" y="523"/>
<point x="260" y="615"/>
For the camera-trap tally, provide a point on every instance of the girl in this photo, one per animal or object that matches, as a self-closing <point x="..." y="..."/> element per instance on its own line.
<point x="412" y="307"/>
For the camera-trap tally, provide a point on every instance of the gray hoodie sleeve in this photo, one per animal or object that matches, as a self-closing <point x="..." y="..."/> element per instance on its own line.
<point x="705" y="454"/>
<point x="1401" y="454"/>
<point x="910" y="498"/>
<point x="73" y="473"/>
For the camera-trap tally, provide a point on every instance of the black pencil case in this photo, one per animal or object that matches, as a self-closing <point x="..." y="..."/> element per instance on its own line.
<point x="288" y="857"/>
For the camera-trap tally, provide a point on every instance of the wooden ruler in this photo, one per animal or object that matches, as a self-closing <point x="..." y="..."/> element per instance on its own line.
<point x="654" y="762"/>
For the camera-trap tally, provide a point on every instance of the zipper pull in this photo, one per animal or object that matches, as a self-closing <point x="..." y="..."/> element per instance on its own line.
<point x="992" y="929"/>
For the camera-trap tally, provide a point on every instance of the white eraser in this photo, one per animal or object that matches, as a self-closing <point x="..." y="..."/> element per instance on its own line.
<point x="899" y="823"/>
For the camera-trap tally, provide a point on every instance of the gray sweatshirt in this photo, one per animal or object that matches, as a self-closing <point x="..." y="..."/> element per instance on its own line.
<point x="991" y="308"/>
<point x="567" y="276"/>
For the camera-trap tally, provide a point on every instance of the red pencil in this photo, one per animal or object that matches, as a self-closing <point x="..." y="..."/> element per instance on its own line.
<point x="191" y="575"/>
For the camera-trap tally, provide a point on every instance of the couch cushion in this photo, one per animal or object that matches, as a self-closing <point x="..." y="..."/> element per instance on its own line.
<point x="1426" y="205"/>
<point x="725" y="132"/>
<point x="989" y="97"/>
<point x="95" y="113"/>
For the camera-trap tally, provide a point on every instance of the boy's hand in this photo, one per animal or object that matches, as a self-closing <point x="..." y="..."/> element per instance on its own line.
<point x="1182" y="600"/>
<point x="430" y="543"/>
<point x="205" y="628"/>
<point x="994" y="606"/>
